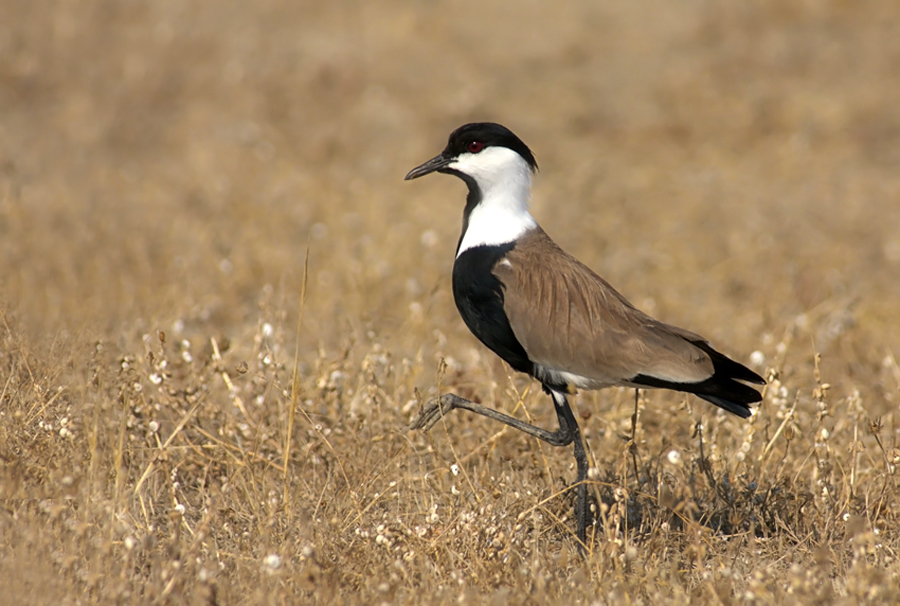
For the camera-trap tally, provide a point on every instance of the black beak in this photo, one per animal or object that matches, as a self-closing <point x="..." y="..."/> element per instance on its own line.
<point x="435" y="164"/>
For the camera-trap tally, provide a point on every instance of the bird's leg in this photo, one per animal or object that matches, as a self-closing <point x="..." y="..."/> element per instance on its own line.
<point x="567" y="420"/>
<point x="568" y="433"/>
<point x="634" y="417"/>
<point x="632" y="445"/>
<point x="436" y="408"/>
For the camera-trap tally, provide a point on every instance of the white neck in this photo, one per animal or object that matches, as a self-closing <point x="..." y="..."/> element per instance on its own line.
<point x="502" y="216"/>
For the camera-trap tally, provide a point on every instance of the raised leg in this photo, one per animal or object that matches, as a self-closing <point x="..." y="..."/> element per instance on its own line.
<point x="438" y="407"/>
<point x="568" y="433"/>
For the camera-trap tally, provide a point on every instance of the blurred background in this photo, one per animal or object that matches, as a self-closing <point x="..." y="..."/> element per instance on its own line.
<point x="732" y="168"/>
<point x="728" y="167"/>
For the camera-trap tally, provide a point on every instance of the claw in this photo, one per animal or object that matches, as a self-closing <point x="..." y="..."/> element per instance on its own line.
<point x="433" y="410"/>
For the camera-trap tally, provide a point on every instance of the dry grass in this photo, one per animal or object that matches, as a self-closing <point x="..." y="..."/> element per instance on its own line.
<point x="176" y="426"/>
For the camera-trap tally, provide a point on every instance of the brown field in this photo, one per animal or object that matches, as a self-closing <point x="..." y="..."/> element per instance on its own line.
<point x="178" y="425"/>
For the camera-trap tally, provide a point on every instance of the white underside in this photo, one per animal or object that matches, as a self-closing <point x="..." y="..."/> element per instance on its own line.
<point x="561" y="377"/>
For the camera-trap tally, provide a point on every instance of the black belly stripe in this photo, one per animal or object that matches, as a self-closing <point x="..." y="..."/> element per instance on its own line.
<point x="479" y="298"/>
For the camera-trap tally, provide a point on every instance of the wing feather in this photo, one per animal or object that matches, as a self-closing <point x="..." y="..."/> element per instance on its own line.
<point x="570" y="319"/>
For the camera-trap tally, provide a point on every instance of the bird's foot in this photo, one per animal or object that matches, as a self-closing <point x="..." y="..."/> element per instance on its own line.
<point x="434" y="409"/>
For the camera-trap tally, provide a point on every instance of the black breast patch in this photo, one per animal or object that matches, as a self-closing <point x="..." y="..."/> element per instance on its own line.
<point x="479" y="298"/>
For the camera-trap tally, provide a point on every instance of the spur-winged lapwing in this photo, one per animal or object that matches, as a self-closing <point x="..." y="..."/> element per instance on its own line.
<point x="550" y="316"/>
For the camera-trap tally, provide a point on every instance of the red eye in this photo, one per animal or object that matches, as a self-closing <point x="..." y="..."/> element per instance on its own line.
<point x="474" y="147"/>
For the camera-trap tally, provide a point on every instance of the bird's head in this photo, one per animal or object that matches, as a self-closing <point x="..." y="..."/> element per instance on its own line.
<point x="483" y="154"/>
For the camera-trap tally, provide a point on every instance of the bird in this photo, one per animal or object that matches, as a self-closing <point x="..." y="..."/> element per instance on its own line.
<point x="550" y="316"/>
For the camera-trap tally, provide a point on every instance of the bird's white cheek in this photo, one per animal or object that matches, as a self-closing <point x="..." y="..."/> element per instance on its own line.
<point x="462" y="163"/>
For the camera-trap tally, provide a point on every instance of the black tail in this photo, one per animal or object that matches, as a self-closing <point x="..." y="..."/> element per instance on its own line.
<point x="722" y="388"/>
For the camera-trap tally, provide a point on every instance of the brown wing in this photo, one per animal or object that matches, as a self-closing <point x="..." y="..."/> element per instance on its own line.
<point x="569" y="319"/>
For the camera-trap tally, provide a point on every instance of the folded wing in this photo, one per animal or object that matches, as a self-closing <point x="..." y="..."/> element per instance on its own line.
<point x="579" y="330"/>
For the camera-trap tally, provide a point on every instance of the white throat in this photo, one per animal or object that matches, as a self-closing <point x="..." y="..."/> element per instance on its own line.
<point x="502" y="216"/>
